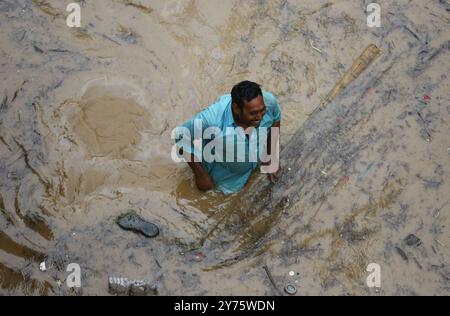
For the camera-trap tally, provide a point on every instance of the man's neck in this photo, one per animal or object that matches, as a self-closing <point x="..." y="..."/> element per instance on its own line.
<point x="238" y="122"/>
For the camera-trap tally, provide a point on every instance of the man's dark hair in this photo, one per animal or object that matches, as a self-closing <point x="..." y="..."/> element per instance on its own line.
<point x="245" y="91"/>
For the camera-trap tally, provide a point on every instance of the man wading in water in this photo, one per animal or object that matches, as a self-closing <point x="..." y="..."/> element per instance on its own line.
<point x="243" y="128"/>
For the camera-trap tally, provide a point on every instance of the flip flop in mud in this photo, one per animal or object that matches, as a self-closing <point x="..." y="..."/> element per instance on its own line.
<point x="132" y="221"/>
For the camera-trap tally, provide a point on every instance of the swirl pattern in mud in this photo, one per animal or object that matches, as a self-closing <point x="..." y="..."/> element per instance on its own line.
<point x="85" y="122"/>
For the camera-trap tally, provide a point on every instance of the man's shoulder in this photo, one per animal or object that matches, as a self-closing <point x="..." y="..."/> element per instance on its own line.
<point x="223" y="101"/>
<point x="214" y="113"/>
<point x="269" y="99"/>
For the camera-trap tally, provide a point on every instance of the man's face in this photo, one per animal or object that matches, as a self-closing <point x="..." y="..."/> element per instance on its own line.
<point x="253" y="112"/>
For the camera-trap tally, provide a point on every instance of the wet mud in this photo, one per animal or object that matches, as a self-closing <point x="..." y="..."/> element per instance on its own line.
<point x="86" y="116"/>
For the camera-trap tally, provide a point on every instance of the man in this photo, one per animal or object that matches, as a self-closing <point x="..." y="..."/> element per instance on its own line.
<point x="237" y="116"/>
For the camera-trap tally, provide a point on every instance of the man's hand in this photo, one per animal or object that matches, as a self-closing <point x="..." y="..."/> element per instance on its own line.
<point x="203" y="180"/>
<point x="274" y="175"/>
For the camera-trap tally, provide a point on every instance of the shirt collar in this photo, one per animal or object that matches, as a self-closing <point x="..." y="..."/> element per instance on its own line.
<point x="229" y="119"/>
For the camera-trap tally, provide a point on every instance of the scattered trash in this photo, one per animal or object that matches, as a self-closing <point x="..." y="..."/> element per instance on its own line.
<point x="430" y="183"/>
<point x="440" y="243"/>
<point x="199" y="256"/>
<point x="413" y="240"/>
<point x="290" y="289"/>
<point x="132" y="221"/>
<point x="422" y="105"/>
<point x="110" y="39"/>
<point x="314" y="47"/>
<point x="42" y="266"/>
<point x="424" y="131"/>
<point x="418" y="264"/>
<point x="269" y="275"/>
<point x="127" y="35"/>
<point x="124" y="286"/>
<point x="291" y="273"/>
<point x="434" y="249"/>
<point x="38" y="49"/>
<point x="426" y="98"/>
<point x="371" y="91"/>
<point x="364" y="174"/>
<point x="402" y="253"/>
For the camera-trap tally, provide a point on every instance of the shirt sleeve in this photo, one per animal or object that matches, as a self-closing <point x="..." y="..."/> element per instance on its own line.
<point x="273" y="105"/>
<point x="189" y="135"/>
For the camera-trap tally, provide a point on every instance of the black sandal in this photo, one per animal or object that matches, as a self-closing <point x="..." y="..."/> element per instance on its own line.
<point x="132" y="221"/>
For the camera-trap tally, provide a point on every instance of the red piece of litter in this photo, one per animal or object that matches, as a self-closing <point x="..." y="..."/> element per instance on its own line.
<point x="426" y="98"/>
<point x="198" y="256"/>
<point x="371" y="90"/>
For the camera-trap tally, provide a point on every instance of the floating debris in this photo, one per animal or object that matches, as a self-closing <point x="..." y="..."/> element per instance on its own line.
<point x="413" y="240"/>
<point x="38" y="49"/>
<point x="132" y="221"/>
<point x="198" y="257"/>
<point x="269" y="275"/>
<point x="359" y="65"/>
<point x="46" y="7"/>
<point x="42" y="266"/>
<point x="125" y="286"/>
<point x="138" y="6"/>
<point x="371" y="90"/>
<point x="402" y="253"/>
<point x="314" y="47"/>
<point x="110" y="39"/>
<point x="127" y="35"/>
<point x="366" y="172"/>
<point x="430" y="183"/>
<point x="290" y="289"/>
<point x="4" y="102"/>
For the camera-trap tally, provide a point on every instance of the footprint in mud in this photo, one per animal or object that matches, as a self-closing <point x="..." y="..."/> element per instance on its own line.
<point x="109" y="122"/>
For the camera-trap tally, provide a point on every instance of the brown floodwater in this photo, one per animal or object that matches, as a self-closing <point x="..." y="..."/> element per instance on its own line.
<point x="86" y="116"/>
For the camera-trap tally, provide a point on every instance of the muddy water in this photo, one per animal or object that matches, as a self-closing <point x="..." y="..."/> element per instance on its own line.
<point x="85" y="122"/>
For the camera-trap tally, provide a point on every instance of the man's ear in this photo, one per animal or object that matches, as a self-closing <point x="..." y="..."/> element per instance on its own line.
<point x="235" y="109"/>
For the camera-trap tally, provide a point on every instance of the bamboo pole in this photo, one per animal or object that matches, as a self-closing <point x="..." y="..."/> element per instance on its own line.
<point x="359" y="65"/>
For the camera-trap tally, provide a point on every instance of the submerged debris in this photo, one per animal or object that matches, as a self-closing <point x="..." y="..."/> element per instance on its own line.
<point x="272" y="281"/>
<point x="402" y="253"/>
<point x="413" y="240"/>
<point x="137" y="5"/>
<point x="125" y="286"/>
<point x="42" y="266"/>
<point x="132" y="221"/>
<point x="290" y="289"/>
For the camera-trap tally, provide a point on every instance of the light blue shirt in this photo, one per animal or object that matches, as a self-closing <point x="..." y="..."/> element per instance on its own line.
<point x="229" y="177"/>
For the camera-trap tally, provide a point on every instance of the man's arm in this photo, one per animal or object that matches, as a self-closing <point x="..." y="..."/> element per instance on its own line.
<point x="273" y="176"/>
<point x="269" y="138"/>
<point x="203" y="180"/>
<point x="207" y="117"/>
